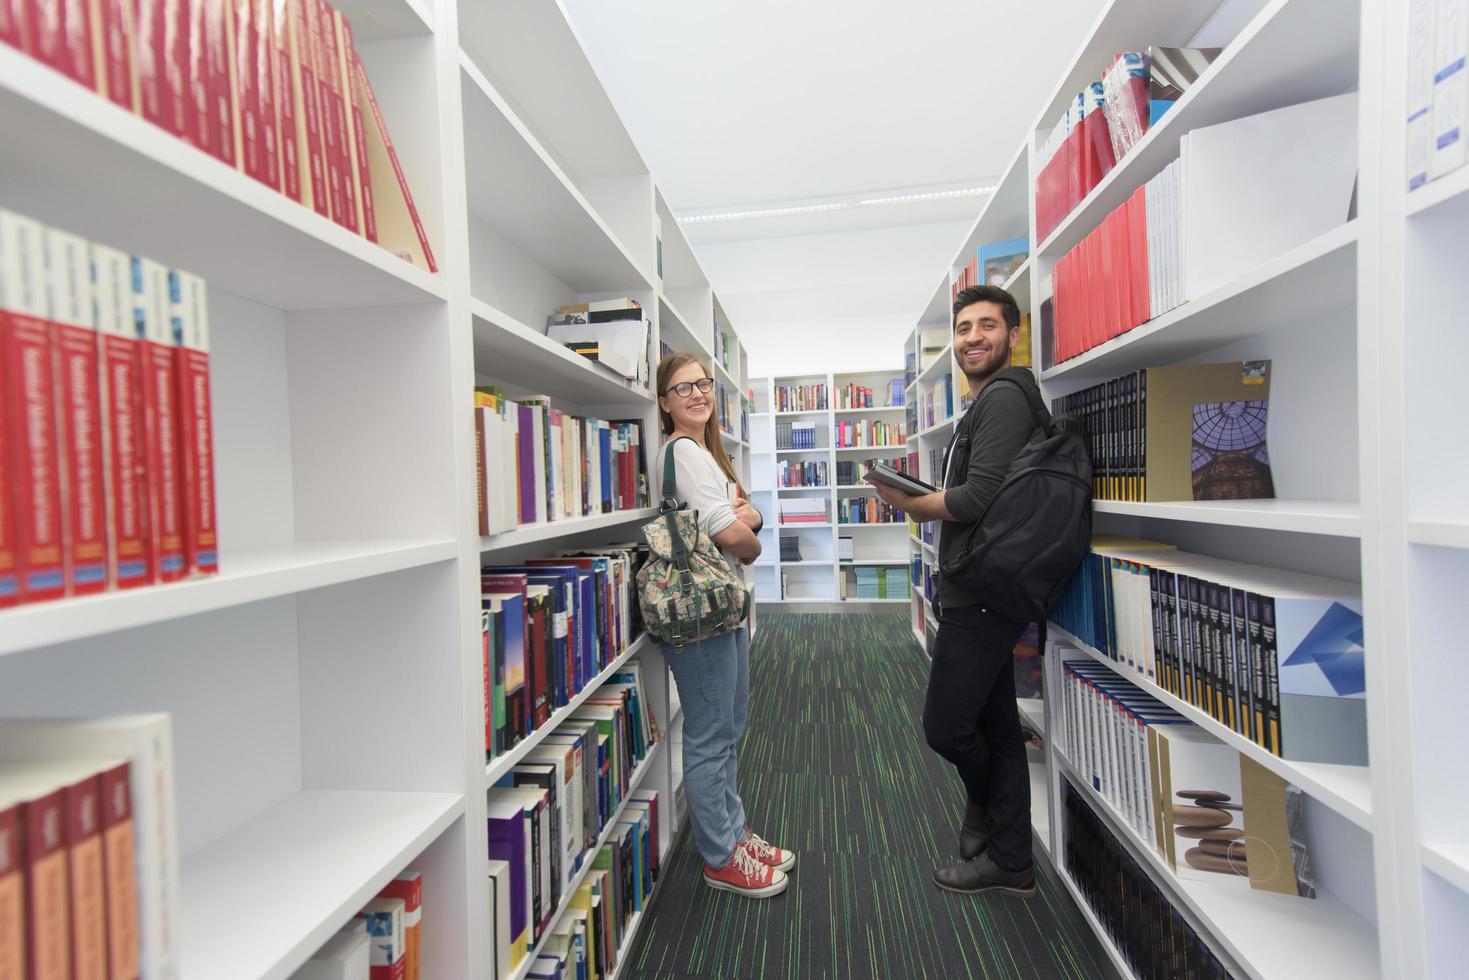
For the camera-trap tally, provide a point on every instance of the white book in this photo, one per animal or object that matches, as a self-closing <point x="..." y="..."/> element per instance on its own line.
<point x="569" y="797"/>
<point x="1450" y="99"/>
<point x="345" y="956"/>
<point x="146" y="742"/>
<point x="1420" y="91"/>
<point x="1262" y="185"/>
<point x="500" y="919"/>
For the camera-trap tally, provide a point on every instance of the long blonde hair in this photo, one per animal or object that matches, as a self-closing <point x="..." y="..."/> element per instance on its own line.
<point x="713" y="441"/>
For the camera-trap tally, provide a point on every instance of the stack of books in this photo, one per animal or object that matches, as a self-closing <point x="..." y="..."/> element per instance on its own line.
<point x="565" y="466"/>
<point x="274" y="89"/>
<point x="803" y="510"/>
<point x="549" y="626"/>
<point x="866" y="583"/>
<point x="89" y="851"/>
<point x="800" y="434"/>
<point x="611" y="332"/>
<point x="1438" y="110"/>
<point x="565" y="829"/>
<point x="107" y="470"/>
<point x="1275" y="656"/>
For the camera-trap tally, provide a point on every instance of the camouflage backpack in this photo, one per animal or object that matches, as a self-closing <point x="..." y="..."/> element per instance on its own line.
<point x="686" y="589"/>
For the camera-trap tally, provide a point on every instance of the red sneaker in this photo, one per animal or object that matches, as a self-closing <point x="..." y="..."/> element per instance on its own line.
<point x="767" y="853"/>
<point x="744" y="875"/>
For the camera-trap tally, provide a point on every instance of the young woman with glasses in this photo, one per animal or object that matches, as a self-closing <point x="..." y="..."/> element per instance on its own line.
<point x="713" y="675"/>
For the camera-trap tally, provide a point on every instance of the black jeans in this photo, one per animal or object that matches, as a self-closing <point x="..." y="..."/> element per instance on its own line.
<point x="970" y="718"/>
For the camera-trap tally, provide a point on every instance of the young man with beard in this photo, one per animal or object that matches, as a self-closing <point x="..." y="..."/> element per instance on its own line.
<point x="970" y="717"/>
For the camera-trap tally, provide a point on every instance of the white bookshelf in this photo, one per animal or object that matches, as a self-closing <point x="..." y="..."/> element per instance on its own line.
<point x="1362" y="328"/>
<point x="325" y="688"/>
<point x="817" y="577"/>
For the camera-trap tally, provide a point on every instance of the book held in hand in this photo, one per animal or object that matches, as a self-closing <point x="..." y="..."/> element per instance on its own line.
<point x="885" y="474"/>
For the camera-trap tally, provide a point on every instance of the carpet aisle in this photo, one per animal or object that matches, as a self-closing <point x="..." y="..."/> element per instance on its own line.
<point x="834" y="767"/>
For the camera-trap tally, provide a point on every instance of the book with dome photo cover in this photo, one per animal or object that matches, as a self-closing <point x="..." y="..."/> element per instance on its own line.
<point x="1187" y="432"/>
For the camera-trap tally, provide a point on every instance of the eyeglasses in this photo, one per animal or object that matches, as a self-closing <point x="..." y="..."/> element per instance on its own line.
<point x="686" y="388"/>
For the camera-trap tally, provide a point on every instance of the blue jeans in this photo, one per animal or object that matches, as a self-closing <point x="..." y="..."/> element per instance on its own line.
<point x="713" y="678"/>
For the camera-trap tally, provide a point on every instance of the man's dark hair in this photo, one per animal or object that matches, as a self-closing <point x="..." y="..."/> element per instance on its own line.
<point x="1009" y="309"/>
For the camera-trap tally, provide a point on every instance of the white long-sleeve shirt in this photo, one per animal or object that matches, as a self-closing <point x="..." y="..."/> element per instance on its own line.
<point x="703" y="487"/>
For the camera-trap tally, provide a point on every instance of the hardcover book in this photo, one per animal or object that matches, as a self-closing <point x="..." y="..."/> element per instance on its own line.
<point x="190" y="310"/>
<point x="152" y="321"/>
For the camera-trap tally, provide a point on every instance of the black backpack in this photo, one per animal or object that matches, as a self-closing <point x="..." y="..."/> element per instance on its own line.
<point x="1017" y="558"/>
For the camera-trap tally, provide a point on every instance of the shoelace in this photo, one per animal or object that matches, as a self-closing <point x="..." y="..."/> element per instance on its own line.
<point x="763" y="849"/>
<point x="746" y="864"/>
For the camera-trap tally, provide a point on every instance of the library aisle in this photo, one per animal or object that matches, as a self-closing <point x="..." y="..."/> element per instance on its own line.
<point x="834" y="767"/>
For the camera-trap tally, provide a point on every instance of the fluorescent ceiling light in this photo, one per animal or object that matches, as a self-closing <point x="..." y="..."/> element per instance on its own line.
<point x="866" y="202"/>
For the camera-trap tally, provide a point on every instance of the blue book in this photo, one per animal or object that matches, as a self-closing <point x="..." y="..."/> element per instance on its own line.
<point x="604" y="442"/>
<point x="562" y="582"/>
<point x="999" y="261"/>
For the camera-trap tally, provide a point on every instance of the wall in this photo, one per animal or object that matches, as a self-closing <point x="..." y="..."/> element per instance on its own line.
<point x="831" y="302"/>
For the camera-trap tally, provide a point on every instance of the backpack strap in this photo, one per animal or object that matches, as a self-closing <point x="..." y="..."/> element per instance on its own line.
<point x="1038" y="412"/>
<point x="671" y="505"/>
<point x="670" y="475"/>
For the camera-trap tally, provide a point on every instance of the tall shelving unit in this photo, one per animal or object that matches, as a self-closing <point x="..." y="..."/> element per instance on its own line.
<point x="1365" y="490"/>
<point x="325" y="688"/>
<point x="816" y="578"/>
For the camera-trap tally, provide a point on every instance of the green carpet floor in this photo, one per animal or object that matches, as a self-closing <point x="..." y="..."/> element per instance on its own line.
<point x="834" y="767"/>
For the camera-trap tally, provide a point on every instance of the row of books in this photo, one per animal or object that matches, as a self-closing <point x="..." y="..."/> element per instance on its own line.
<point x="1200" y="804"/>
<point x="1145" y="927"/>
<point x="993" y="265"/>
<point x="795" y="435"/>
<point x="872" y="582"/>
<point x="1125" y="272"/>
<point x="1104" y="121"/>
<point x="790" y="548"/>
<point x="867" y="510"/>
<point x="910" y="369"/>
<point x="794" y="473"/>
<point x="721" y="343"/>
<point x="851" y="434"/>
<point x="89" y="861"/>
<point x="937" y="403"/>
<point x="564" y="466"/>
<point x="726" y="407"/>
<point x="106" y="425"/>
<point x="799" y="398"/>
<point x="614" y="333"/>
<point x="853" y="395"/>
<point x="588" y="942"/>
<point x="803" y="510"/>
<point x="274" y="88"/>
<point x="549" y="626"/>
<point x="1184" y="432"/>
<point x="384" y="941"/>
<point x="1438" y="104"/>
<point x="547" y="816"/>
<point x="1275" y="656"/>
<point x="851" y="471"/>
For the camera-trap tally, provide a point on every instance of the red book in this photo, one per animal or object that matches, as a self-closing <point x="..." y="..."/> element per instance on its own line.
<point x="113" y="42"/>
<point x="14" y="26"/>
<point x="148" y="50"/>
<point x="12" y="894"/>
<point x="334" y="118"/>
<point x="255" y="77"/>
<point x="409" y="887"/>
<point x="542" y="647"/>
<point x="190" y="310"/>
<point x="85" y="887"/>
<point x="284" y="99"/>
<point x="42" y="816"/>
<point x="215" y="112"/>
<point x="347" y="54"/>
<point x="61" y="32"/>
<point x="174" y="58"/>
<point x="123" y="433"/>
<point x="79" y="417"/>
<point x="120" y="870"/>
<point x="26" y="353"/>
<point x="160" y="419"/>
<point x="307" y="109"/>
<point x="1138" y="239"/>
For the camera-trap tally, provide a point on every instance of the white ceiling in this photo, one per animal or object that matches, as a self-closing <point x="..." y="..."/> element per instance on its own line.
<point x="746" y="103"/>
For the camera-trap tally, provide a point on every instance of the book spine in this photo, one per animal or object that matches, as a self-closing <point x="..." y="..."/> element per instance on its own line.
<point x="84" y="517"/>
<point x="265" y="51"/>
<point x="326" y="117"/>
<point x="1450" y="87"/>
<point x="120" y="873"/>
<point x="1269" y="658"/>
<point x="26" y="352"/>
<point x="306" y="94"/>
<point x="47" y="906"/>
<point x="160" y="419"/>
<point x="288" y="147"/>
<point x="113" y="43"/>
<point x="249" y="80"/>
<point x="339" y="134"/>
<point x="61" y="31"/>
<point x="1254" y="629"/>
<point x="382" y="129"/>
<point x="351" y="65"/>
<point x="195" y="425"/>
<point x="12" y="894"/>
<point x="86" y="891"/>
<point x="224" y="84"/>
<point x="1244" y="698"/>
